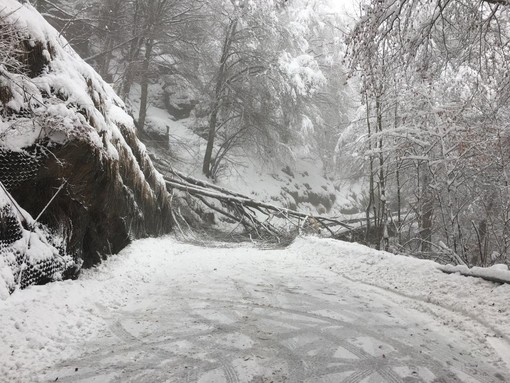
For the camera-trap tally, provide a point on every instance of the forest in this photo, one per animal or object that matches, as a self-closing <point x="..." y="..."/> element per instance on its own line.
<point x="434" y="80"/>
<point x="409" y="97"/>
<point x="254" y="191"/>
<point x="398" y="105"/>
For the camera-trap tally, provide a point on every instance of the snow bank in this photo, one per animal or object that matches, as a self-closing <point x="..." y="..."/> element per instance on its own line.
<point x="485" y="302"/>
<point x="43" y="324"/>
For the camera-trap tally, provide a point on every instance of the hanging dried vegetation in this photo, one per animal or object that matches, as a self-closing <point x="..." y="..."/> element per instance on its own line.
<point x="60" y="117"/>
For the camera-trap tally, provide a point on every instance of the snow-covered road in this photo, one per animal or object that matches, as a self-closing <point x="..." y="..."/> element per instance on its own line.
<point x="164" y="311"/>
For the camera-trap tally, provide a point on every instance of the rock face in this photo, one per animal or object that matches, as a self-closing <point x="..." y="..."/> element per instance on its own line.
<point x="62" y="127"/>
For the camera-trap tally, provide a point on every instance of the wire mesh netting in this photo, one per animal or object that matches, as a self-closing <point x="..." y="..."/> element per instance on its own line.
<point x="29" y="253"/>
<point x="18" y="167"/>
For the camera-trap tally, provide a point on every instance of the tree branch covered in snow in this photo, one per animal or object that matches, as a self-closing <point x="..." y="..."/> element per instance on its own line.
<point x="261" y="219"/>
<point x="432" y="127"/>
<point x="496" y="273"/>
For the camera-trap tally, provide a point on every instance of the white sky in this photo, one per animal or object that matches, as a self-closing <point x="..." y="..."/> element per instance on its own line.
<point x="344" y="6"/>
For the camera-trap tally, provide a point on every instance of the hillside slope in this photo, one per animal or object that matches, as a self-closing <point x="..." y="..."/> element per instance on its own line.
<point x="63" y="128"/>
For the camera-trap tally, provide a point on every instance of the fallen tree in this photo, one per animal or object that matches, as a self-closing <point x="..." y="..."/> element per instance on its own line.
<point x="496" y="273"/>
<point x="259" y="219"/>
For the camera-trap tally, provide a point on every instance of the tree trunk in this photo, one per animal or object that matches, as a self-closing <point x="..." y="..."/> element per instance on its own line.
<point x="145" y="85"/>
<point x="218" y="92"/>
<point x="382" y="237"/>
<point x="104" y="66"/>
<point x="207" y="165"/>
<point x="427" y="207"/>
<point x="371" y="175"/>
<point x="482" y="231"/>
<point x="134" y="48"/>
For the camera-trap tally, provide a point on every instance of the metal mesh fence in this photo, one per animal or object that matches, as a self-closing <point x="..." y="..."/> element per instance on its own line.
<point x="27" y="249"/>
<point x="18" y="167"/>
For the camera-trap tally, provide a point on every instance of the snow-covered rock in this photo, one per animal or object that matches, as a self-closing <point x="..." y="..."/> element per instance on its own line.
<point x="59" y="115"/>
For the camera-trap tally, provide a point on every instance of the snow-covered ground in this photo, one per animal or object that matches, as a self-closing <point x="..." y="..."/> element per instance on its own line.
<point x="317" y="311"/>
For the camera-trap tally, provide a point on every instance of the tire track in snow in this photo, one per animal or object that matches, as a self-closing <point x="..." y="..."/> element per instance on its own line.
<point x="265" y="314"/>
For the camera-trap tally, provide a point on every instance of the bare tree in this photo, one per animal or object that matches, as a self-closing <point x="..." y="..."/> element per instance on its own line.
<point x="441" y="71"/>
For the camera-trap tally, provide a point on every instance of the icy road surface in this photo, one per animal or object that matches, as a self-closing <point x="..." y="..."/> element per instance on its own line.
<point x="164" y="311"/>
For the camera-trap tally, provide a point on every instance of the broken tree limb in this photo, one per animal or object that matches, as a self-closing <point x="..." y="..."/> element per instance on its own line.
<point x="261" y="219"/>
<point x="208" y="185"/>
<point x="205" y="184"/>
<point x="255" y="216"/>
<point x="187" y="181"/>
<point x="245" y="201"/>
<point x="488" y="274"/>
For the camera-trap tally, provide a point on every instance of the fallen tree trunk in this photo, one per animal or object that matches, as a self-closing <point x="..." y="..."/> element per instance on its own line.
<point x="245" y="201"/>
<point x="255" y="216"/>
<point x="491" y="274"/>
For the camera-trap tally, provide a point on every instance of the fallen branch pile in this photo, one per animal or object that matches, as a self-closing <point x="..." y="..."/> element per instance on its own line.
<point x="259" y="219"/>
